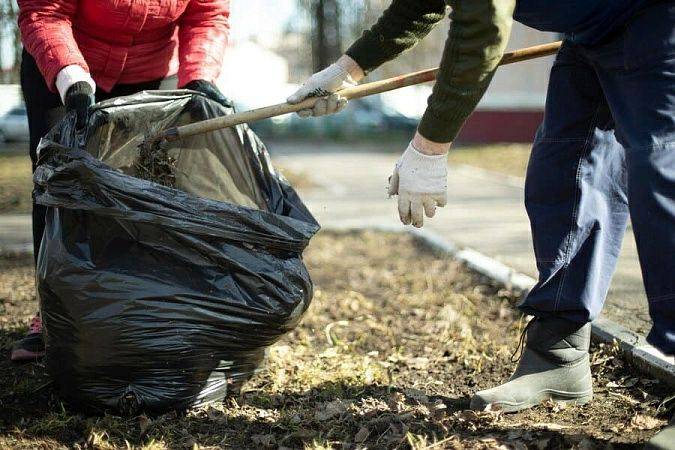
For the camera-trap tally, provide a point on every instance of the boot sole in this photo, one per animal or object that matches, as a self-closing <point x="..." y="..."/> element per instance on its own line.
<point x="574" y="398"/>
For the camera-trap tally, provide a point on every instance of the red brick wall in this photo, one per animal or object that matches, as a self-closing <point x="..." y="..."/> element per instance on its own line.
<point x="485" y="126"/>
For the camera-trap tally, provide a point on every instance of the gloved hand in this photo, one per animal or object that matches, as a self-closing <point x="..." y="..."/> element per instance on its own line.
<point x="421" y="183"/>
<point x="344" y="73"/>
<point x="79" y="98"/>
<point x="210" y="90"/>
<point x="76" y="88"/>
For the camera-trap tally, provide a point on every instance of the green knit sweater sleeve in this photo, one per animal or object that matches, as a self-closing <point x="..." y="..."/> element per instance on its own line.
<point x="476" y="42"/>
<point x="399" y="28"/>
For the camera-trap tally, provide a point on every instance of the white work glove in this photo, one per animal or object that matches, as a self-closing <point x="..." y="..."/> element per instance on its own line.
<point x="421" y="183"/>
<point x="326" y="84"/>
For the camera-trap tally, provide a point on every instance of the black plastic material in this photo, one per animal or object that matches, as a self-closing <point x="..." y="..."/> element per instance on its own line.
<point x="155" y="298"/>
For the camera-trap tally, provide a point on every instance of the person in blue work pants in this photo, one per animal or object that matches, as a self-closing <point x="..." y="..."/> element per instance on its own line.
<point x="604" y="153"/>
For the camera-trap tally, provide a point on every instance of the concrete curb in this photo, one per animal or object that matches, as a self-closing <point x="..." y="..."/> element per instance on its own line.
<point x="634" y="347"/>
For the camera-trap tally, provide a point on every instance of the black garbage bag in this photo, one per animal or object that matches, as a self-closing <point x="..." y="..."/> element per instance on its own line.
<point x="156" y="298"/>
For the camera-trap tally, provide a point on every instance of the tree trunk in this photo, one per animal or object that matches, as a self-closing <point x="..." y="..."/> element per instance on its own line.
<point x="18" y="46"/>
<point x="326" y="33"/>
<point x="9" y="39"/>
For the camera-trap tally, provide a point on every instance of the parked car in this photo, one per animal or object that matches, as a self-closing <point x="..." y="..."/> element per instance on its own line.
<point x="364" y="117"/>
<point x="14" y="125"/>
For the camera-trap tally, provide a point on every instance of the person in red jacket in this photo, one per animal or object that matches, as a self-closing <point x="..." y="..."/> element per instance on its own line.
<point x="77" y="52"/>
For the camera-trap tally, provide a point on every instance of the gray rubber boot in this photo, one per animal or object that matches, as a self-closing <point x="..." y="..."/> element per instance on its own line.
<point x="554" y="366"/>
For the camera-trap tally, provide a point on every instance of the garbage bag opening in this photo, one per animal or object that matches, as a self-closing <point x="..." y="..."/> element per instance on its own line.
<point x="153" y="297"/>
<point x="202" y="165"/>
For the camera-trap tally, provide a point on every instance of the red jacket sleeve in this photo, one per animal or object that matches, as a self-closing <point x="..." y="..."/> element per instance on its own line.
<point x="47" y="34"/>
<point x="202" y="37"/>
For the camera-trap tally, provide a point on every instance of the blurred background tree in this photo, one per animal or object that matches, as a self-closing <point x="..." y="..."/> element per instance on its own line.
<point x="326" y="32"/>
<point x="10" y="42"/>
<point x="330" y="26"/>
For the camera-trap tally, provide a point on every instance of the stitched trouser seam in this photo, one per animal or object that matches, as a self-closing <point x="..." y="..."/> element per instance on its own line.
<point x="575" y="209"/>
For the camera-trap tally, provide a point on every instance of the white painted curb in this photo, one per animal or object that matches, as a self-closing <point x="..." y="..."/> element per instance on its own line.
<point x="634" y="347"/>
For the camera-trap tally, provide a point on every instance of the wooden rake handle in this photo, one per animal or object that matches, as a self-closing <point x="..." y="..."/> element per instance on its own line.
<point x="362" y="90"/>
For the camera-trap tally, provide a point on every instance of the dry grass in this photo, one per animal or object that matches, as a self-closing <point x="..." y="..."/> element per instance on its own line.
<point x="394" y="344"/>
<point x="509" y="159"/>
<point x="15" y="183"/>
<point x="296" y="178"/>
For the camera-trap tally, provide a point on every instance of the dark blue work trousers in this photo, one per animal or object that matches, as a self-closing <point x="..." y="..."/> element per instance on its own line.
<point x="606" y="152"/>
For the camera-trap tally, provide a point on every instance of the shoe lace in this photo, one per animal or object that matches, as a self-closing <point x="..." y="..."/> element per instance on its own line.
<point x="518" y="352"/>
<point x="35" y="325"/>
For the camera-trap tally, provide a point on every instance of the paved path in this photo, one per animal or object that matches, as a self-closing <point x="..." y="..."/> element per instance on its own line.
<point x="485" y="212"/>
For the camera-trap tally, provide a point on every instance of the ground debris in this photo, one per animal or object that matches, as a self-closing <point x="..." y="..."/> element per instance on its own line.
<point x="332" y="409"/>
<point x="361" y="435"/>
<point x="643" y="422"/>
<point x="386" y="358"/>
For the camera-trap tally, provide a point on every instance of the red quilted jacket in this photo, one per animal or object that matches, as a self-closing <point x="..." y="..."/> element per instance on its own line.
<point x="126" y="41"/>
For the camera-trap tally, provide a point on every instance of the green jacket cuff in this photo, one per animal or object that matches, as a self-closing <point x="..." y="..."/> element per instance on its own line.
<point x="444" y="117"/>
<point x="366" y="53"/>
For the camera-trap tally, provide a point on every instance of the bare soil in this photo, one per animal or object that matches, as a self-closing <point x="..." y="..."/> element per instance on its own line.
<point x="396" y="341"/>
